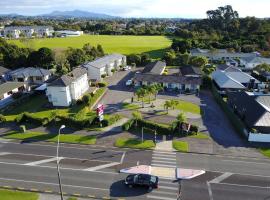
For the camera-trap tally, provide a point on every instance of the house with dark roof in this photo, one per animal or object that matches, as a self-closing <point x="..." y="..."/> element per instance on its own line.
<point x="68" y="88"/>
<point x="252" y="62"/>
<point x="187" y="79"/>
<point x="189" y="71"/>
<point x="3" y="74"/>
<point x="7" y="89"/>
<point x="253" y="109"/>
<point x="104" y="66"/>
<point x="30" y="75"/>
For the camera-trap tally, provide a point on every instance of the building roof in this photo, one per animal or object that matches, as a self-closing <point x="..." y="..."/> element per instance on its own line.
<point x="9" y="86"/>
<point x="29" y="71"/>
<point x="3" y="70"/>
<point x="67" y="79"/>
<point x="260" y="60"/>
<point x="155" y="78"/>
<point x="154" y="67"/>
<point x="255" y="108"/>
<point x="10" y="28"/>
<point x="227" y="68"/>
<point x="189" y="70"/>
<point x="103" y="61"/>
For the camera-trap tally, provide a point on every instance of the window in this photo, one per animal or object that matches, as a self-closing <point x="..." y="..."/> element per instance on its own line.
<point x="39" y="78"/>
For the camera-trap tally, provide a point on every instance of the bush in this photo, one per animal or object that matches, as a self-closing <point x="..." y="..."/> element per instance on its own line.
<point x="160" y="128"/>
<point x="103" y="75"/>
<point x="79" y="102"/>
<point x="2" y="118"/>
<point x="17" y="95"/>
<point x="187" y="90"/>
<point x="126" y="126"/>
<point x="105" y="122"/>
<point x="113" y="70"/>
<point x="102" y="84"/>
<point x="86" y="99"/>
<point x="194" y="128"/>
<point x="22" y="128"/>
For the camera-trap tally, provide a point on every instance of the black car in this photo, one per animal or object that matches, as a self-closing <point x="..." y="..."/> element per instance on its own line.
<point x="144" y="180"/>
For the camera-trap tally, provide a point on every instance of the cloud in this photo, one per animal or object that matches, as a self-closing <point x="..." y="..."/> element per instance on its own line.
<point x="137" y="8"/>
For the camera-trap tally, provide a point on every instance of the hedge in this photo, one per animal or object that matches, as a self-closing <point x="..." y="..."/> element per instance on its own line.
<point x="235" y="121"/>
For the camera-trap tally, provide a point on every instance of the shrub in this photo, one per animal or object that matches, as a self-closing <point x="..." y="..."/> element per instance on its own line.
<point x="187" y="90"/>
<point x="105" y="122"/>
<point x="79" y="102"/>
<point x="2" y="118"/>
<point x="86" y="99"/>
<point x="113" y="70"/>
<point x="194" y="128"/>
<point x="126" y="126"/>
<point x="22" y="128"/>
<point x="160" y="128"/>
<point x="102" y="84"/>
<point x="103" y="75"/>
<point x="17" y="95"/>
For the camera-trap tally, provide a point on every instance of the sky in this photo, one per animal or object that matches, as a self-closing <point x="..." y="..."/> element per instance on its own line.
<point x="137" y="8"/>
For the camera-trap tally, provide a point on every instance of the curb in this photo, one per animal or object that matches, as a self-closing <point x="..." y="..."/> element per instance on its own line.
<point x="34" y="190"/>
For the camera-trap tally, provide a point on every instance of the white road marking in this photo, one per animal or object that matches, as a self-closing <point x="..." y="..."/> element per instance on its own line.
<point x="56" y="184"/>
<point x="221" y="178"/>
<point x="123" y="157"/>
<point x="239" y="185"/>
<point x="167" y="187"/>
<point x="163" y="192"/>
<point x="162" y="165"/>
<point x="163" y="161"/>
<point x="166" y="156"/>
<point x="4" y="153"/>
<point x="166" y="182"/>
<point x="159" y="197"/>
<point x="210" y="191"/>
<point x="162" y="152"/>
<point x="101" y="166"/>
<point x="161" y="158"/>
<point x="43" y="161"/>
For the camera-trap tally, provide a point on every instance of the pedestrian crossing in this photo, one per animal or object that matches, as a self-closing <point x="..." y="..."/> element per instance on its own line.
<point x="167" y="188"/>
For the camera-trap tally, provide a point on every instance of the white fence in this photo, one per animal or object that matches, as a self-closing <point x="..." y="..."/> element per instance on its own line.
<point x="258" y="137"/>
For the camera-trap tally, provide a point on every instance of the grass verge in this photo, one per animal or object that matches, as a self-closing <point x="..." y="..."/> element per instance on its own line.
<point x="189" y="107"/>
<point x="17" y="195"/>
<point x="134" y="143"/>
<point x="180" y="146"/>
<point x="265" y="152"/>
<point x="39" y="136"/>
<point x="130" y="106"/>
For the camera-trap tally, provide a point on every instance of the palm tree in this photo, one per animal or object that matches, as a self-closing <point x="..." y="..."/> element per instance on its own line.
<point x="167" y="105"/>
<point x="151" y="89"/>
<point x="137" y="116"/>
<point x="141" y="93"/>
<point x="180" y="119"/>
<point x="158" y="87"/>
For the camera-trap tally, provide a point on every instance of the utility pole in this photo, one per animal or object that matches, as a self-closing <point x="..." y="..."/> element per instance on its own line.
<point x="142" y="134"/>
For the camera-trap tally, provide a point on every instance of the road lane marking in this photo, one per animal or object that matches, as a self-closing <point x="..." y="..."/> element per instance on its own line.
<point x="163" y="161"/>
<point x="162" y="152"/>
<point x="161" y="158"/>
<point x="167" y="187"/>
<point x="221" y="177"/>
<point x="55" y="184"/>
<point x="4" y="153"/>
<point x="239" y="185"/>
<point x="101" y="166"/>
<point x="159" y="197"/>
<point x="43" y="161"/>
<point x="163" y="192"/>
<point x="162" y="165"/>
<point x="165" y="156"/>
<point x="210" y="191"/>
<point x="122" y="158"/>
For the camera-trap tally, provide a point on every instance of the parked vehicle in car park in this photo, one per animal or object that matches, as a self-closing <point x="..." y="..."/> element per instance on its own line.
<point x="129" y="82"/>
<point x="126" y="68"/>
<point x="143" y="180"/>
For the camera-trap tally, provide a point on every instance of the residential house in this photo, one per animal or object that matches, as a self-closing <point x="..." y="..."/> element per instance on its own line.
<point x="227" y="68"/>
<point x="189" y="71"/>
<point x="69" y="33"/>
<point x="68" y="88"/>
<point x="252" y="62"/>
<point x="220" y="54"/>
<point x="30" y="75"/>
<point x="3" y="74"/>
<point x="186" y="79"/>
<point x="252" y="108"/>
<point x="28" y="31"/>
<point x="233" y="80"/>
<point x="104" y="66"/>
<point x="7" y="89"/>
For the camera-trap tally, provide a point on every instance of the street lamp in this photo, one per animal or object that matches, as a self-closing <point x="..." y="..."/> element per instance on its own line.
<point x="57" y="162"/>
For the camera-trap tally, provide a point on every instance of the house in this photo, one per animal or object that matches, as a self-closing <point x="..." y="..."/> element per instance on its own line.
<point x="157" y="67"/>
<point x="69" y="33"/>
<point x="251" y="62"/>
<point x="227" y="68"/>
<point x="7" y="89"/>
<point x="233" y="80"/>
<point x="183" y="81"/>
<point x="232" y="62"/>
<point x="68" y="88"/>
<point x="28" y="31"/>
<point x="104" y="66"/>
<point x="220" y="54"/>
<point x="30" y="75"/>
<point x="253" y="109"/>
<point x="3" y="74"/>
<point x="189" y="71"/>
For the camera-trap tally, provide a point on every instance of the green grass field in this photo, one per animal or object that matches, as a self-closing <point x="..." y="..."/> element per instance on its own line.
<point x="154" y="45"/>
<point x="134" y="143"/>
<point x="180" y="146"/>
<point x="17" y="195"/>
<point x="188" y="107"/>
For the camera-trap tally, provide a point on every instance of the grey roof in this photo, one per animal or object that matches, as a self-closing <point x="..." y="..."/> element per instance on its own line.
<point x="260" y="60"/>
<point x="29" y="71"/>
<point x="241" y="77"/>
<point x="154" y="67"/>
<point x="155" y="78"/>
<point x="103" y="61"/>
<point x="8" y="28"/>
<point x="227" y="68"/>
<point x="67" y="79"/>
<point x="255" y="108"/>
<point x="3" y="70"/>
<point x="9" y="86"/>
<point x="189" y="70"/>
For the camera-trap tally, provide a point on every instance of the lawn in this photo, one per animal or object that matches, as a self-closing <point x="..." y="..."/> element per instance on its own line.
<point x="17" y="195"/>
<point x="39" y="136"/>
<point x="155" y="45"/>
<point x="200" y="136"/>
<point x="180" y="146"/>
<point x="129" y="106"/>
<point x="188" y="107"/>
<point x="265" y="152"/>
<point x="134" y="143"/>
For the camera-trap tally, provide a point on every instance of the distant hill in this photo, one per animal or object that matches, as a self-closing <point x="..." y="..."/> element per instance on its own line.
<point x="78" y="14"/>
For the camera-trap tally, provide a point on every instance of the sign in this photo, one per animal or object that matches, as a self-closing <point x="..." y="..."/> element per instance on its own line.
<point x="101" y="117"/>
<point x="100" y="109"/>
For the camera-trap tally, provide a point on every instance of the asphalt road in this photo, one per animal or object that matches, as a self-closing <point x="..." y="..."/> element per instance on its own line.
<point x="93" y="170"/>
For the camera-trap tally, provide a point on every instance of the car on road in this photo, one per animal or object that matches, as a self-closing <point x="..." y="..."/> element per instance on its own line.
<point x="129" y="82"/>
<point x="143" y="180"/>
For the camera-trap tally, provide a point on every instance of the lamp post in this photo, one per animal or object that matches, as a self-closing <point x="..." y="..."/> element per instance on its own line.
<point x="57" y="163"/>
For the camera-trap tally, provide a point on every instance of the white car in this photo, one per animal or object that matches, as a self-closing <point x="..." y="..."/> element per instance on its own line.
<point x="129" y="83"/>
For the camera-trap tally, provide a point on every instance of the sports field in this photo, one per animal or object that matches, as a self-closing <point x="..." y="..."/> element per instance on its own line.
<point x="154" y="45"/>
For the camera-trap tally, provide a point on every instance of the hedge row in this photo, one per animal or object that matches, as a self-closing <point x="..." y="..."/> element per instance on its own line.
<point x="235" y="121"/>
<point x="31" y="118"/>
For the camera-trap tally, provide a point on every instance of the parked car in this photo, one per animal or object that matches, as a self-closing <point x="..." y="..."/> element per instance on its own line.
<point x="129" y="83"/>
<point x="143" y="180"/>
